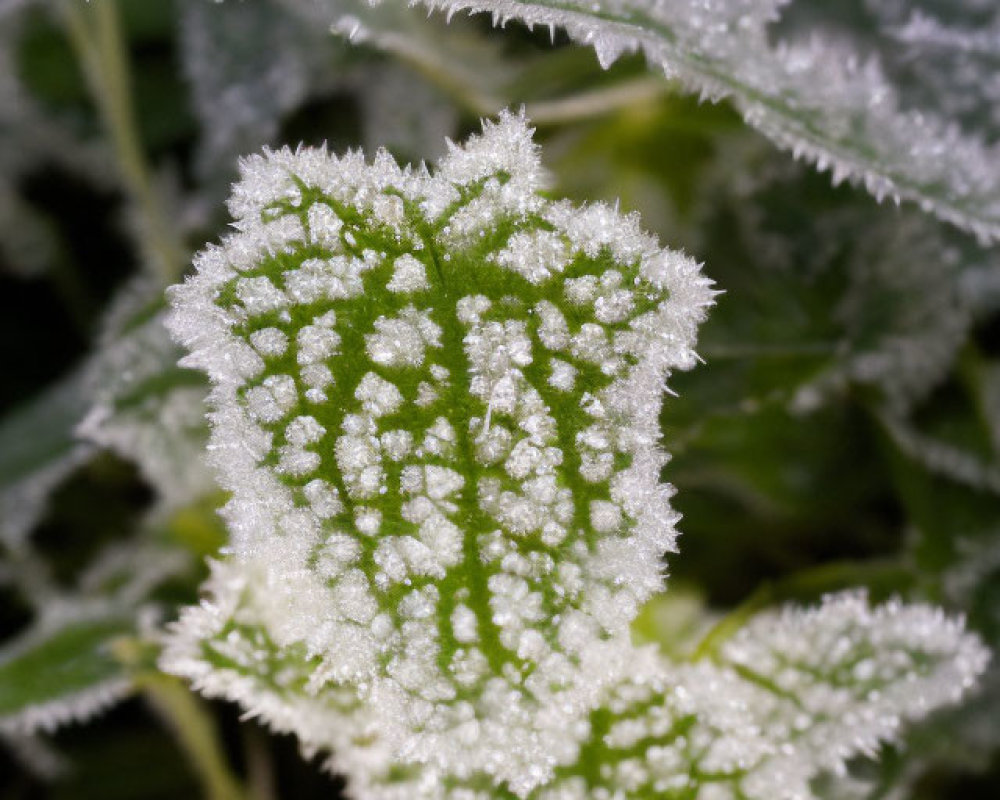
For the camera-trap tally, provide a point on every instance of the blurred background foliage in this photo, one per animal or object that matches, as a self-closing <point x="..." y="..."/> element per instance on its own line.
<point x="844" y="431"/>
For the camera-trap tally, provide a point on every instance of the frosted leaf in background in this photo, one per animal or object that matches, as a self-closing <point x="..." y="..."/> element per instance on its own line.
<point x="827" y="96"/>
<point x="450" y="486"/>
<point x="846" y="294"/>
<point x="403" y="113"/>
<point x="38" y="450"/>
<point x="35" y="754"/>
<point x="965" y="450"/>
<point x="248" y="65"/>
<point x="61" y="670"/>
<point x="943" y="457"/>
<point x="470" y="65"/>
<point x="143" y="407"/>
<point x="462" y="65"/>
<point x="128" y="397"/>
<point x="25" y="243"/>
<point x="251" y="66"/>
<point x="945" y="55"/>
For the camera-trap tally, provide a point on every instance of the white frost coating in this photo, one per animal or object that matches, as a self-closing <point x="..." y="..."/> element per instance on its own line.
<point x="848" y="106"/>
<point x="408" y="276"/>
<point x="72" y="708"/>
<point x="665" y="722"/>
<point x="356" y="455"/>
<point x="402" y="341"/>
<point x="269" y="342"/>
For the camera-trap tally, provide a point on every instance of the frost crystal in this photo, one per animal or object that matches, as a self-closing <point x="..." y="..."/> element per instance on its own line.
<point x="910" y="112"/>
<point x="443" y="529"/>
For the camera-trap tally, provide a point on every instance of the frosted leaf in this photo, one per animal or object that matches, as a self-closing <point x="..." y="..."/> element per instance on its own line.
<point x="452" y="472"/>
<point x="251" y="65"/>
<point x="248" y="65"/>
<point x="402" y="112"/>
<point x="942" y="457"/>
<point x="967" y="455"/>
<point x="847" y="294"/>
<point x="35" y="754"/>
<point x="843" y="98"/>
<point x="224" y="648"/>
<point x="856" y="672"/>
<point x="61" y="670"/>
<point x="129" y="397"/>
<point x="142" y="407"/>
<point x="793" y="694"/>
<point x="38" y="451"/>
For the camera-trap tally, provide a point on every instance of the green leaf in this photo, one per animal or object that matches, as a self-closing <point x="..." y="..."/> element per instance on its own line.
<point x="62" y="669"/>
<point x="38" y="449"/>
<point x="435" y="403"/>
<point x="144" y="407"/>
<point x="811" y="92"/>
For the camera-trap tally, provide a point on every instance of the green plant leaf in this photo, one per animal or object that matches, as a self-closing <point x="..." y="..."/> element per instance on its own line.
<point x="791" y="695"/>
<point x="38" y="449"/>
<point x="794" y="693"/>
<point x="435" y="405"/>
<point x="848" y="102"/>
<point x="62" y="669"/>
<point x="143" y="406"/>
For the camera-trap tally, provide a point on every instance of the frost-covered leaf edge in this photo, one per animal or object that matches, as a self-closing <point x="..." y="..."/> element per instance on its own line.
<point x="612" y="33"/>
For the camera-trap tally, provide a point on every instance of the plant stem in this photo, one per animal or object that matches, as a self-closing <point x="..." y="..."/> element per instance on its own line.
<point x="95" y="35"/>
<point x="195" y="732"/>
<point x="596" y="102"/>
<point x="260" y="768"/>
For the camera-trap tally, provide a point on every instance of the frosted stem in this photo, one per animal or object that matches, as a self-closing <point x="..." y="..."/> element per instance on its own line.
<point x="95" y="35"/>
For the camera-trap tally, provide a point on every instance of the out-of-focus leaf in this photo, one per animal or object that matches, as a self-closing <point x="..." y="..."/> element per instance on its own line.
<point x="958" y="434"/>
<point x="62" y="670"/>
<point x="825" y="294"/>
<point x="33" y="69"/>
<point x="145" y="408"/>
<point x="247" y="65"/>
<point x="38" y="449"/>
<point x="840" y="95"/>
<point x="481" y="73"/>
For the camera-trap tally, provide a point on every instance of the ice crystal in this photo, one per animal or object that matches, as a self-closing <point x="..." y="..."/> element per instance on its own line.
<point x="823" y="91"/>
<point x="449" y="530"/>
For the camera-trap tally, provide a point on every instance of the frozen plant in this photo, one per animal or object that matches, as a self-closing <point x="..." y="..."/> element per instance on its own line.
<point x="435" y="404"/>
